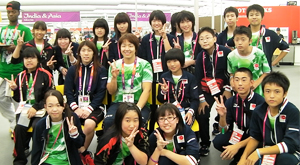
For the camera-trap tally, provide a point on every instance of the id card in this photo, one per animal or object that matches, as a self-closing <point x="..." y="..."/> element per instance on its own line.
<point x="128" y="98"/>
<point x="269" y="159"/>
<point x="23" y="119"/>
<point x="176" y="103"/>
<point x="83" y="101"/>
<point x="20" y="107"/>
<point x="157" y="65"/>
<point x="236" y="135"/>
<point x="213" y="87"/>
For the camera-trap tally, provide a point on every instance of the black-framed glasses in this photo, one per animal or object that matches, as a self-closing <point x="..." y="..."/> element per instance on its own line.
<point x="169" y="119"/>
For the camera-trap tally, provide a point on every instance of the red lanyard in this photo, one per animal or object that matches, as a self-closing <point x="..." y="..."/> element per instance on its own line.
<point x="133" y="73"/>
<point x="195" y="43"/>
<point x="90" y="81"/>
<point x="13" y="36"/>
<point x="32" y="87"/>
<point x="118" y="50"/>
<point x="214" y="74"/>
<point x="151" y="49"/>
<point x="242" y="111"/>
<point x="55" y="138"/>
<point x="258" y="39"/>
<point x="41" y="53"/>
<point x="181" y="88"/>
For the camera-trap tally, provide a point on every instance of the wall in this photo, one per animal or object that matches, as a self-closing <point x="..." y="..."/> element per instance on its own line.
<point x="206" y="21"/>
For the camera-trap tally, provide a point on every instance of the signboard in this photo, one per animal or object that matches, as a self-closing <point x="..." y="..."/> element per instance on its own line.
<point x="51" y="16"/>
<point x="144" y="16"/>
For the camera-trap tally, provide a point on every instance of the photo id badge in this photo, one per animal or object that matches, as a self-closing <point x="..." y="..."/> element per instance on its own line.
<point x="128" y="98"/>
<point x="20" y="107"/>
<point x="157" y="65"/>
<point x="83" y="101"/>
<point x="213" y="87"/>
<point x="236" y="135"/>
<point x="176" y="103"/>
<point x="269" y="159"/>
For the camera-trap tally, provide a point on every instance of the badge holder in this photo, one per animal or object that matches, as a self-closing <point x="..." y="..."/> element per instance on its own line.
<point x="213" y="87"/>
<point x="269" y="159"/>
<point x="128" y="98"/>
<point x="84" y="101"/>
<point x="157" y="65"/>
<point x="181" y="110"/>
<point x="236" y="135"/>
<point x="23" y="119"/>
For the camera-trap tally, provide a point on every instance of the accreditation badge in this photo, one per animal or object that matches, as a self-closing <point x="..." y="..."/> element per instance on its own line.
<point x="157" y="65"/>
<point x="128" y="98"/>
<point x="83" y="101"/>
<point x="213" y="87"/>
<point x="236" y="135"/>
<point x="269" y="159"/>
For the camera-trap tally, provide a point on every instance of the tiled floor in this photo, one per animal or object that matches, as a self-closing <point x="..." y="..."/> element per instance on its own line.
<point x="293" y="73"/>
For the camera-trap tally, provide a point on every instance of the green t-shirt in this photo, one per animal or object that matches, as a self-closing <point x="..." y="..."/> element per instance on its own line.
<point x="157" y="37"/>
<point x="187" y="48"/>
<point x="31" y="98"/>
<point x="99" y="45"/>
<point x="256" y="62"/>
<point x="6" y="68"/>
<point x="57" y="153"/>
<point x="143" y="73"/>
<point x="256" y="40"/>
<point x="272" y="120"/>
<point x="124" y="152"/>
<point x="39" y="47"/>
<point x="170" y="146"/>
<point x="176" y="79"/>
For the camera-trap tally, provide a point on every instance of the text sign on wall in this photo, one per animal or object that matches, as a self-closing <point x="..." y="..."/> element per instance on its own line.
<point x="51" y="16"/>
<point x="144" y="16"/>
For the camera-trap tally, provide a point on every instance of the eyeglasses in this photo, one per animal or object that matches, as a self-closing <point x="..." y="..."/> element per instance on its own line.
<point x="169" y="119"/>
<point x="205" y="39"/>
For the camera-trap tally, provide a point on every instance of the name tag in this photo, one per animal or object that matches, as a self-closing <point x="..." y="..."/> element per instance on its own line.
<point x="213" y="86"/>
<point x="236" y="135"/>
<point x="157" y="65"/>
<point x="269" y="159"/>
<point x="83" y="101"/>
<point x="128" y="98"/>
<point x="20" y="107"/>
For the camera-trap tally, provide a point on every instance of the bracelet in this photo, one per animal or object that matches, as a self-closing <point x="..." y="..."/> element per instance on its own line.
<point x="202" y="101"/>
<point x="153" y="160"/>
<point x="258" y="154"/>
<point x="221" y="126"/>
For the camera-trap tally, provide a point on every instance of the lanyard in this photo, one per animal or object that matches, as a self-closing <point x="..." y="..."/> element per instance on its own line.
<point x="32" y="86"/>
<point x="41" y="53"/>
<point x="258" y="39"/>
<point x="101" y="57"/>
<point x="118" y="50"/>
<point x="13" y="36"/>
<point x="181" y="88"/>
<point x="151" y="49"/>
<point x="133" y="73"/>
<point x="236" y="111"/>
<point x="214" y="74"/>
<point x="90" y="81"/>
<point x="195" y="41"/>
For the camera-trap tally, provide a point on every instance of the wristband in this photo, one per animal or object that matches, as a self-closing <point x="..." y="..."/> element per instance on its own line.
<point x="105" y="50"/>
<point x="258" y="154"/>
<point x="153" y="160"/>
<point x="202" y="101"/>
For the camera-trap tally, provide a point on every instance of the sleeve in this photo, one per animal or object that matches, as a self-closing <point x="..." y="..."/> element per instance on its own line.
<point x="20" y="59"/>
<point x="147" y="72"/>
<point x="142" y="53"/>
<point x="37" y="143"/>
<point x="192" y="147"/>
<point x="219" y="39"/>
<point x="229" y="116"/>
<point x="280" y="43"/>
<point x="143" y="144"/>
<point x="112" y="50"/>
<point x="101" y="88"/>
<point x="59" y="58"/>
<point x="69" y="88"/>
<point x="16" y="96"/>
<point x="265" y="65"/>
<point x="170" y="38"/>
<point x="28" y="35"/>
<point x="255" y="128"/>
<point x="290" y="142"/>
<point x="152" y="143"/>
<point x="199" y="75"/>
<point x="79" y="140"/>
<point x="194" y="99"/>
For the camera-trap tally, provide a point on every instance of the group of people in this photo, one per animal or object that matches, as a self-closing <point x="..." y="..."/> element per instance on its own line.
<point x="193" y="71"/>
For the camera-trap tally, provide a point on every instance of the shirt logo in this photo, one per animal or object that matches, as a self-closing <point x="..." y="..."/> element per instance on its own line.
<point x="184" y="81"/>
<point x="282" y="118"/>
<point x="268" y="39"/>
<point x="256" y="66"/>
<point x="252" y="106"/>
<point x="220" y="54"/>
<point x="137" y="74"/>
<point x="180" y="139"/>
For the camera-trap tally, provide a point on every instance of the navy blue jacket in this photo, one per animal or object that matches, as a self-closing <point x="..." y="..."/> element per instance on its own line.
<point x="252" y="100"/>
<point x="222" y="37"/>
<point x="189" y="147"/>
<point x="194" y="41"/>
<point x="221" y="69"/>
<point x="190" y="85"/>
<point x="270" y="42"/>
<point x="113" y="50"/>
<point x="287" y="124"/>
<point x="98" y="88"/>
<point x="40" y="138"/>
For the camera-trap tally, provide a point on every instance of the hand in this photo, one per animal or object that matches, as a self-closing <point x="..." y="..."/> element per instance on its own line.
<point x="106" y="45"/>
<point x="114" y="70"/>
<point x="51" y="62"/>
<point x="160" y="143"/>
<point x="130" y="139"/>
<point x="252" y="159"/>
<point x="64" y="71"/>
<point x="188" y="118"/>
<point x="176" y="44"/>
<point x="79" y="112"/>
<point x="220" y="107"/>
<point x="69" y="51"/>
<point x="229" y="151"/>
<point x="72" y="127"/>
<point x="227" y="94"/>
<point x="164" y="86"/>
<point x="202" y="106"/>
<point x="31" y="112"/>
<point x="162" y="32"/>
<point x="20" y="40"/>
<point x="12" y="83"/>
<point x="85" y="113"/>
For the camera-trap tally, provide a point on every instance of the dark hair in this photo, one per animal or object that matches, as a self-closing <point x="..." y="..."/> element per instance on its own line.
<point x="242" y="30"/>
<point x="244" y="70"/>
<point x="40" y="25"/>
<point x="183" y="15"/>
<point x="173" y="23"/>
<point x="175" y="54"/>
<point x="62" y="33"/>
<point x="60" y="98"/>
<point x="206" y="29"/>
<point x="168" y="107"/>
<point x="120" y="18"/>
<point x="277" y="78"/>
<point x="130" y="38"/>
<point x="33" y="53"/>
<point x="159" y="15"/>
<point x="256" y="7"/>
<point x="95" y="60"/>
<point x="231" y="9"/>
<point x="103" y="24"/>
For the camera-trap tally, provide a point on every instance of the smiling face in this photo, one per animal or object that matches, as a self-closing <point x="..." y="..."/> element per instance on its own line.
<point x="129" y="122"/>
<point x="186" y="25"/>
<point x="86" y="54"/>
<point x="174" y="66"/>
<point x="274" y="94"/>
<point x="30" y="63"/>
<point x="156" y="24"/>
<point x="100" y="32"/>
<point x="128" y="50"/>
<point x="39" y="33"/>
<point x="168" y="123"/>
<point x="122" y="27"/>
<point x="54" y="109"/>
<point x="63" y="43"/>
<point x="255" y="18"/>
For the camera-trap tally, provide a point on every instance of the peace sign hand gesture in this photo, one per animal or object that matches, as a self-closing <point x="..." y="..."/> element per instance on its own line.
<point x="220" y="107"/>
<point x="20" y="40"/>
<point x="106" y="45"/>
<point x="12" y="83"/>
<point x="176" y="44"/>
<point x="72" y="127"/>
<point x="162" y="32"/>
<point x="164" y="86"/>
<point x="160" y="141"/>
<point x="130" y="139"/>
<point x="114" y="70"/>
<point x="69" y="51"/>
<point x="51" y="62"/>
